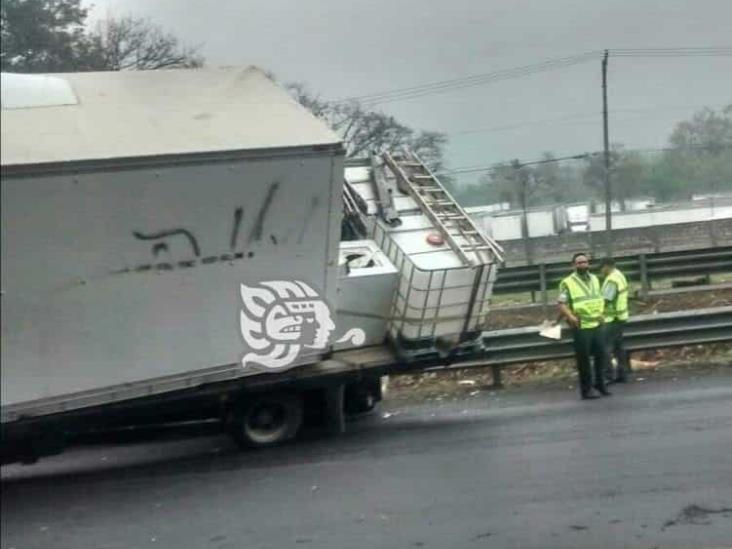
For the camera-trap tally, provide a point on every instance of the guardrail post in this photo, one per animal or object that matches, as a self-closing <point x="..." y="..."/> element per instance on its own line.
<point x="496" y="372"/>
<point x="542" y="284"/>
<point x="712" y="231"/>
<point x="645" y="282"/>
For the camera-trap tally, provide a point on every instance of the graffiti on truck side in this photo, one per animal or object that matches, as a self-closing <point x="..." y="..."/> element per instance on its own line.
<point x="163" y="246"/>
<point x="163" y="242"/>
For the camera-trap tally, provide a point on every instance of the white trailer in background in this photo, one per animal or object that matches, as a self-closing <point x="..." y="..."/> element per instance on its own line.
<point x="639" y="212"/>
<point x="506" y="224"/>
<point x="170" y="250"/>
<point x="668" y="214"/>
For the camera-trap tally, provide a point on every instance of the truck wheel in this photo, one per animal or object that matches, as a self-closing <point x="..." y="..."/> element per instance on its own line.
<point x="267" y="420"/>
<point x="363" y="397"/>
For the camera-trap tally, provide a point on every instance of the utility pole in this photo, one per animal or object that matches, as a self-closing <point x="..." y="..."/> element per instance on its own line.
<point x="606" y="143"/>
<point x="523" y="197"/>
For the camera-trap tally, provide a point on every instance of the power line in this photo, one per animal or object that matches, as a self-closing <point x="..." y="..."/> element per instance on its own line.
<point x="706" y="51"/>
<point x="494" y="168"/>
<point x="412" y="92"/>
<point x="470" y="81"/>
<point x="578" y="116"/>
<point x="471" y="169"/>
<point x="476" y="77"/>
<point x="473" y="82"/>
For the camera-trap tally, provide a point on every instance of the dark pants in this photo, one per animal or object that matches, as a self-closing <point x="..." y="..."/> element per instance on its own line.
<point x="614" y="347"/>
<point x="589" y="346"/>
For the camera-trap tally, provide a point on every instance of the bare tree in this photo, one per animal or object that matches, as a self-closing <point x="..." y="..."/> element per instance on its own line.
<point x="299" y="91"/>
<point x="366" y="131"/>
<point x="131" y="43"/>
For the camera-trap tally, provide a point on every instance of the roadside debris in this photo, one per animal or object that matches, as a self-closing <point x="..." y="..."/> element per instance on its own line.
<point x="698" y="515"/>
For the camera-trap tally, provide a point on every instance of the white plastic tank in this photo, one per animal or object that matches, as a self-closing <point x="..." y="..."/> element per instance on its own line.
<point x="435" y="286"/>
<point x="439" y="296"/>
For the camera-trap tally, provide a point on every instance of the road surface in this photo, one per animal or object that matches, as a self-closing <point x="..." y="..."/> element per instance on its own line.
<point x="650" y="467"/>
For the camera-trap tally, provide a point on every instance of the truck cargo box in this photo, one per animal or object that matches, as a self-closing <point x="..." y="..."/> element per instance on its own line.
<point x="134" y="207"/>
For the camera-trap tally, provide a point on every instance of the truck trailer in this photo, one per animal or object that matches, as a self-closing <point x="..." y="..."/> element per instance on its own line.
<point x="189" y="244"/>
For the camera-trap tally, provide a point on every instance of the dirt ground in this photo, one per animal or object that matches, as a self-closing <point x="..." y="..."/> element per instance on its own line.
<point x="674" y="362"/>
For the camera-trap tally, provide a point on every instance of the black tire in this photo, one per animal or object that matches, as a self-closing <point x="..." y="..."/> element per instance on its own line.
<point x="266" y="420"/>
<point x="363" y="397"/>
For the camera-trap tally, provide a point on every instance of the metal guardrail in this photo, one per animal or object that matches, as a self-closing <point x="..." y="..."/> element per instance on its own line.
<point x="524" y="345"/>
<point x="652" y="331"/>
<point x="641" y="268"/>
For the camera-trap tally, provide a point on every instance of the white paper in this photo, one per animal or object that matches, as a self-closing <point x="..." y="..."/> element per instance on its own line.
<point x="551" y="331"/>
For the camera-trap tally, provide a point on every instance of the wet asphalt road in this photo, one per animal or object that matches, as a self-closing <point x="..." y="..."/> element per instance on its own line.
<point x="649" y="467"/>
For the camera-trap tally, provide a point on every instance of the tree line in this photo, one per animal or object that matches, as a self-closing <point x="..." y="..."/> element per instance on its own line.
<point x="697" y="160"/>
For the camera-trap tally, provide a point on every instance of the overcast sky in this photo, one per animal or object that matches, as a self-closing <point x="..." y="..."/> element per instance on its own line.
<point x="346" y="48"/>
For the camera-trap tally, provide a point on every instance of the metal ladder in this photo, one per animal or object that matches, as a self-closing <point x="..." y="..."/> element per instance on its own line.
<point x="458" y="230"/>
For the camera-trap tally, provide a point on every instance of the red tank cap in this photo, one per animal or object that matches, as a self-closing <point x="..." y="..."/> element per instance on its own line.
<point x="435" y="239"/>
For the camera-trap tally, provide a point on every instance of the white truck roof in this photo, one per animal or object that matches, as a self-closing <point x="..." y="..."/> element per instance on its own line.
<point x="113" y="115"/>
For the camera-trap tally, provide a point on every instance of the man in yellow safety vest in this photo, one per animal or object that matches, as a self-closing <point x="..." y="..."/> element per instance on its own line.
<point x="615" y="293"/>
<point x="581" y="303"/>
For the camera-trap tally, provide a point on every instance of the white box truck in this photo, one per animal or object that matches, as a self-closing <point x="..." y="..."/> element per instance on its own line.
<point x="171" y="250"/>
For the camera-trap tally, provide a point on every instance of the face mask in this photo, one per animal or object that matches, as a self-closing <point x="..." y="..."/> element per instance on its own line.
<point x="583" y="269"/>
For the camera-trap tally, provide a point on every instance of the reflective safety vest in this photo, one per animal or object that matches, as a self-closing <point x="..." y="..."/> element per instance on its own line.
<point x="585" y="298"/>
<point x="618" y="308"/>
